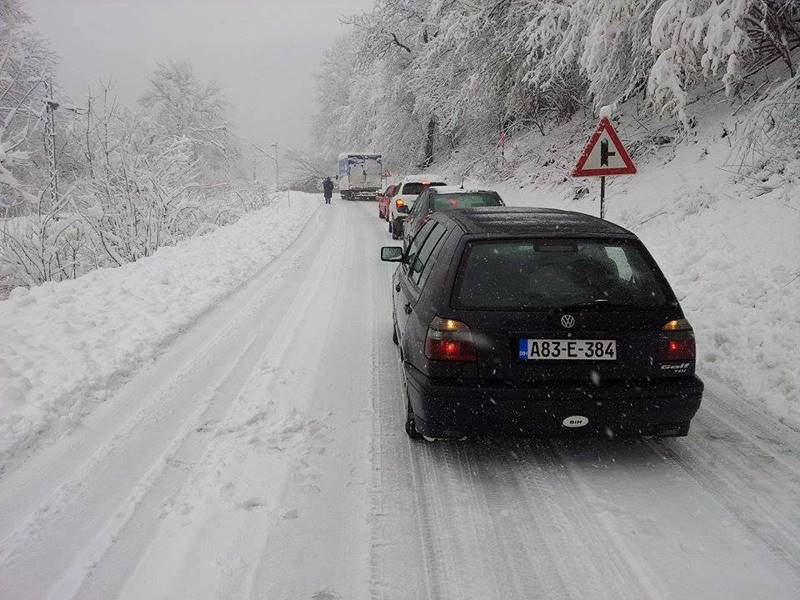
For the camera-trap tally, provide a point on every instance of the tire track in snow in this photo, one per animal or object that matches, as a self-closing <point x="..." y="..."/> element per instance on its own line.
<point x="205" y="447"/>
<point x="593" y="541"/>
<point x="397" y="541"/>
<point x="325" y="550"/>
<point x="534" y="566"/>
<point x="752" y="485"/>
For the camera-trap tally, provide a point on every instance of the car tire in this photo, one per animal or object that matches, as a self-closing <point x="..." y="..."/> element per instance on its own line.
<point x="396" y="235"/>
<point x="390" y="225"/>
<point x="394" y="335"/>
<point x="411" y="427"/>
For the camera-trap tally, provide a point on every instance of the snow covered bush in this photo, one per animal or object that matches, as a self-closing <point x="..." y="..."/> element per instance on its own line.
<point x="109" y="185"/>
<point x="770" y="143"/>
<point x="700" y="39"/>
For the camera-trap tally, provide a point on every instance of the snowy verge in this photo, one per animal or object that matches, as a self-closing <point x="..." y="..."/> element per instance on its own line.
<point x="67" y="345"/>
<point x="728" y="245"/>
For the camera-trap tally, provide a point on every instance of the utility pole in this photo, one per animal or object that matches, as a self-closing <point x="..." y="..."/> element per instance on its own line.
<point x="278" y="175"/>
<point x="51" y="106"/>
<point x="277" y="168"/>
<point x="50" y="142"/>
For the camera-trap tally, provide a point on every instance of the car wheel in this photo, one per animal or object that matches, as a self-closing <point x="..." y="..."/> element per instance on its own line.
<point x="397" y="231"/>
<point x="390" y="226"/>
<point x="394" y="335"/>
<point x="411" y="427"/>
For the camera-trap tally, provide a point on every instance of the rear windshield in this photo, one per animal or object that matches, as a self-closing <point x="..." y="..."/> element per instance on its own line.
<point x="448" y="201"/>
<point x="418" y="188"/>
<point x="540" y="274"/>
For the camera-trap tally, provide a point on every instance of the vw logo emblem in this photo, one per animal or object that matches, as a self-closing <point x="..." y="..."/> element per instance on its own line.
<point x="568" y="321"/>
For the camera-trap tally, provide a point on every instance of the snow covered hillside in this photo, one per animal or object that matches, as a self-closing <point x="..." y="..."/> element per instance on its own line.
<point x="728" y="243"/>
<point x="68" y="345"/>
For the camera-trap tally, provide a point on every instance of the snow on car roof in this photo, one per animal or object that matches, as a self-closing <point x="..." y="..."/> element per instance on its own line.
<point x="422" y="178"/>
<point x="367" y="154"/>
<point x="454" y="189"/>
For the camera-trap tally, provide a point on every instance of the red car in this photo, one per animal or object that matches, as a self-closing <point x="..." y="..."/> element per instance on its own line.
<point x="383" y="200"/>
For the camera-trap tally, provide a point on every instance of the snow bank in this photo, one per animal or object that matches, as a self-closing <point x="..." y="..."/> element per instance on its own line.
<point x="67" y="345"/>
<point x="730" y="249"/>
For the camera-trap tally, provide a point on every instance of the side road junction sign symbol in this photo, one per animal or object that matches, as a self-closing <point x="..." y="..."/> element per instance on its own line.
<point x="604" y="154"/>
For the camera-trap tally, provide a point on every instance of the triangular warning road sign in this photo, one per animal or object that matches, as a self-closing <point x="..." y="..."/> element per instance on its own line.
<point x="604" y="154"/>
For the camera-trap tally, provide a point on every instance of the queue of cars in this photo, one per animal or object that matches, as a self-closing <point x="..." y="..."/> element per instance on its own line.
<point x="530" y="320"/>
<point x="398" y="200"/>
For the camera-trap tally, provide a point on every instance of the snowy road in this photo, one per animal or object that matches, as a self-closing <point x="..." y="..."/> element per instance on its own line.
<point x="263" y="456"/>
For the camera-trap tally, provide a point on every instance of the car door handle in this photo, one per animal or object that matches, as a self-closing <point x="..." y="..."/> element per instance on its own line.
<point x="397" y="288"/>
<point x="407" y="308"/>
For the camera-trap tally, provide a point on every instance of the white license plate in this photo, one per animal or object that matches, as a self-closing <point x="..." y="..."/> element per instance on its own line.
<point x="541" y="349"/>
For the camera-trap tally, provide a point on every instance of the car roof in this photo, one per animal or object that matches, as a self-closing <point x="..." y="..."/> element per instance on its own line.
<point x="454" y="189"/>
<point x="344" y="155"/>
<point x="424" y="177"/>
<point x="511" y="221"/>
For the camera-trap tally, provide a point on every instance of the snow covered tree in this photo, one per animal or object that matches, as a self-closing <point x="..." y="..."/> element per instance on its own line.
<point x="180" y="107"/>
<point x="25" y="66"/>
<point x="701" y="39"/>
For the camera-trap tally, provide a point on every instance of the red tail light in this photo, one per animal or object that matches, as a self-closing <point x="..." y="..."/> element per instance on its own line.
<point x="680" y="350"/>
<point x="450" y="340"/>
<point x="678" y="341"/>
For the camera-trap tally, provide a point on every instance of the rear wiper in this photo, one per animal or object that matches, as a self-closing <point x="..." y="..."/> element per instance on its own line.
<point x="604" y="302"/>
<point x="595" y="302"/>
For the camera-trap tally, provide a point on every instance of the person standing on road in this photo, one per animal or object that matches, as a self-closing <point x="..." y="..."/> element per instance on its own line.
<point x="327" y="188"/>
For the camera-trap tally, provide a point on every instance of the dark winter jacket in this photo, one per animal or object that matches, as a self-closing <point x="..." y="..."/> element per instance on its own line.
<point x="327" y="187"/>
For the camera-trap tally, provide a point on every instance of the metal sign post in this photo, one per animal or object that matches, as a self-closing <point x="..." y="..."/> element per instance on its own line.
<point x="602" y="196"/>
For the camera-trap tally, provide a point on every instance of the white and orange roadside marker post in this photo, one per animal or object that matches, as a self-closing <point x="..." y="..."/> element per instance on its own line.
<point x="604" y="155"/>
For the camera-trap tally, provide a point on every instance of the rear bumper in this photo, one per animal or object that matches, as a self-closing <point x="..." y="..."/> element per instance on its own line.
<point x="445" y="409"/>
<point x="364" y="194"/>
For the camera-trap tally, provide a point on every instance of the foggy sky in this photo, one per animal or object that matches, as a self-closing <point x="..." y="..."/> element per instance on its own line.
<point x="262" y="53"/>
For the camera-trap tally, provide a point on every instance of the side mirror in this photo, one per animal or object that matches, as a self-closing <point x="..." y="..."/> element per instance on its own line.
<point x="392" y="254"/>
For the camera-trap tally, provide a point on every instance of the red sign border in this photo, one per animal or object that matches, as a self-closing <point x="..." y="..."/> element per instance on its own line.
<point x="628" y="169"/>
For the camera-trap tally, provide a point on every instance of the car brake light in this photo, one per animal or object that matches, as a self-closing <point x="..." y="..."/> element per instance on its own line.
<point x="400" y="203"/>
<point x="678" y="341"/>
<point x="449" y="340"/>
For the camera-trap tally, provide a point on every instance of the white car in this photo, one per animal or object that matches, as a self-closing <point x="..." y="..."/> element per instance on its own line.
<point x="400" y="204"/>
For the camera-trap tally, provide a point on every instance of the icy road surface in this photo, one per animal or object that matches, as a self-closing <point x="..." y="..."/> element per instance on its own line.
<point x="263" y="456"/>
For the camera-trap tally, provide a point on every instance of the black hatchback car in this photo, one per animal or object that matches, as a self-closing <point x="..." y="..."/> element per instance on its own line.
<point x="530" y="320"/>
